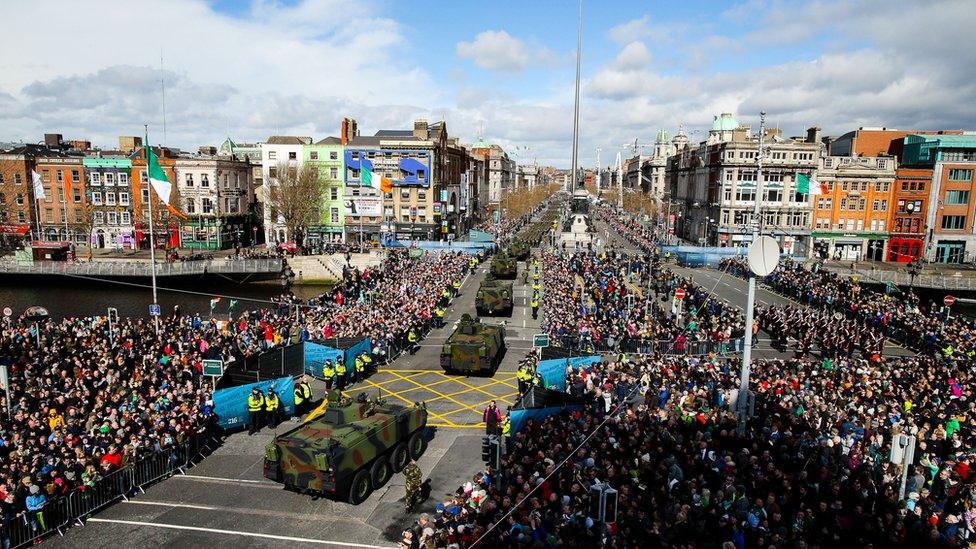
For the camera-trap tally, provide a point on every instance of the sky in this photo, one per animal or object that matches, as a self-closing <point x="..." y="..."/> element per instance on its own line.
<point x="502" y="71"/>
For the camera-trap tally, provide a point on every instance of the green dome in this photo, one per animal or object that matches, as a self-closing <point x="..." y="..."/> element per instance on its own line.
<point x="662" y="136"/>
<point x="724" y="122"/>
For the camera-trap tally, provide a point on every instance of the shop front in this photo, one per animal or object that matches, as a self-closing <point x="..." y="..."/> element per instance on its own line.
<point x="903" y="249"/>
<point x="849" y="246"/>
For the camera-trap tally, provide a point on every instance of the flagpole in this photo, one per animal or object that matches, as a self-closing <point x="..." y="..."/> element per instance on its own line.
<point x="152" y="239"/>
<point x="37" y="210"/>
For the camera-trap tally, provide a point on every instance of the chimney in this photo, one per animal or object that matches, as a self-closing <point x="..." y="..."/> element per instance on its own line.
<point x="813" y="134"/>
<point x="348" y="130"/>
<point x="52" y="140"/>
<point x="420" y="129"/>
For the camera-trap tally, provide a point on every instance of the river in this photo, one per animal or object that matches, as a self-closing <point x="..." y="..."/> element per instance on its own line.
<point x="64" y="297"/>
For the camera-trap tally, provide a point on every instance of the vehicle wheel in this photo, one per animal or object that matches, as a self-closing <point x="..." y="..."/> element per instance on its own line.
<point x="360" y="489"/>
<point x="418" y="445"/>
<point x="400" y="457"/>
<point x="380" y="472"/>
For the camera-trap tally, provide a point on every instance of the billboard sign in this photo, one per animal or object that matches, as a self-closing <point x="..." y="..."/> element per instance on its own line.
<point x="362" y="205"/>
<point x="405" y="168"/>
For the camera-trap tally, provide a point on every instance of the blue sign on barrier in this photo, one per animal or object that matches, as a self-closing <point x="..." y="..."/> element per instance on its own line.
<point x="230" y="404"/>
<point x="154" y="309"/>
<point x="553" y="371"/>
<point x="316" y="354"/>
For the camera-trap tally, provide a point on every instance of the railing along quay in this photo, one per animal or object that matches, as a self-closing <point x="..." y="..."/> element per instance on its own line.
<point x="935" y="281"/>
<point x="137" y="268"/>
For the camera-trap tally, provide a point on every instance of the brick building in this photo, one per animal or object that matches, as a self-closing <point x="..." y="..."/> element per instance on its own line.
<point x="909" y="203"/>
<point x="17" y="217"/>
<point x="850" y="221"/>
<point x="64" y="210"/>
<point x="166" y="229"/>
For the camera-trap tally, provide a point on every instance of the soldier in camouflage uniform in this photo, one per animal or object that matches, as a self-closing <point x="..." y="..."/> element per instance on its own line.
<point x="414" y="481"/>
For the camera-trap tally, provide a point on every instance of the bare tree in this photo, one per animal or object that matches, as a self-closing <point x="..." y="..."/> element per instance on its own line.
<point x="294" y="195"/>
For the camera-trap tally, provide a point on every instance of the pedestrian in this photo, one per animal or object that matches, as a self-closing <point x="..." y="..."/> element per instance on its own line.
<point x="535" y="306"/>
<point x="340" y="373"/>
<point x="413" y="480"/>
<point x="255" y="407"/>
<point x="328" y="374"/>
<point x="272" y="407"/>
<point x="492" y="418"/>
<point x="412" y="341"/>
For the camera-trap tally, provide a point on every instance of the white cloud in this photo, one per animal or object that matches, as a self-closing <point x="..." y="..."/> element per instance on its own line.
<point x="634" y="56"/>
<point x="500" y="51"/>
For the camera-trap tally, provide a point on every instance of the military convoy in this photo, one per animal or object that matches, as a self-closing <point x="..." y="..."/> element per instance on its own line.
<point x="504" y="266"/>
<point x="519" y="249"/>
<point x="473" y="348"/>
<point x="494" y="297"/>
<point x="349" y="449"/>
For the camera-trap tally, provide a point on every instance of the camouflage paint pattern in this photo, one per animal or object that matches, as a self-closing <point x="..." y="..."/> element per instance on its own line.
<point x="504" y="266"/>
<point x="494" y="296"/>
<point x="322" y="455"/>
<point x="474" y="347"/>
<point x="519" y="249"/>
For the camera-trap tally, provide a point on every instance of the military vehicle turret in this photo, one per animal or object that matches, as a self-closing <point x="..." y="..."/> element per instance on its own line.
<point x="494" y="297"/>
<point x="504" y="266"/>
<point x="473" y="348"/>
<point x="519" y="250"/>
<point x="349" y="448"/>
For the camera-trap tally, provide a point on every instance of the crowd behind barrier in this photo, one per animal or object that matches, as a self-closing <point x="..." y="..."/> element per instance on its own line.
<point x="810" y="469"/>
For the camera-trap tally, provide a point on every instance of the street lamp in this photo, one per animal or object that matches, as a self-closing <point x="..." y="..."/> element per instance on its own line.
<point x="914" y="269"/>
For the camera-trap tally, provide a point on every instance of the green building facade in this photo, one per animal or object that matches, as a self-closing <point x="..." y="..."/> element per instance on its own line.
<point x="328" y="158"/>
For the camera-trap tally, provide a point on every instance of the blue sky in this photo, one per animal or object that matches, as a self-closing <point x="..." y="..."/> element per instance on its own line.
<point x="253" y="69"/>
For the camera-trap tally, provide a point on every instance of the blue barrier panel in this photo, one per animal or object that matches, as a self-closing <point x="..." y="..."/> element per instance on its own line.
<point x="231" y="404"/>
<point x="553" y="371"/>
<point x="316" y="354"/>
<point x="518" y="418"/>
<point x="480" y="236"/>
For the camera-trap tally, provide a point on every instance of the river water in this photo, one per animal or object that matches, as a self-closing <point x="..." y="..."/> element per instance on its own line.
<point x="64" y="297"/>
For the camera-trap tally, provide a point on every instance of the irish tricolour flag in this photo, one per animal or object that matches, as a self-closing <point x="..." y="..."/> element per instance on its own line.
<point x="807" y="185"/>
<point x="157" y="177"/>
<point x="374" y="179"/>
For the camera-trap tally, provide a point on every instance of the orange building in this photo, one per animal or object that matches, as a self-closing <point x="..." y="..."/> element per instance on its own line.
<point x="167" y="232"/>
<point x="17" y="217"/>
<point x="877" y="141"/>
<point x="850" y="221"/>
<point x="910" y="201"/>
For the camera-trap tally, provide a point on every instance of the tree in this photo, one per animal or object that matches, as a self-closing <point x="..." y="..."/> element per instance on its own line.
<point x="294" y="196"/>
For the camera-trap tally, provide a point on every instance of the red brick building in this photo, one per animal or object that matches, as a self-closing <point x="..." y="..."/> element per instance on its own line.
<point x="910" y="202"/>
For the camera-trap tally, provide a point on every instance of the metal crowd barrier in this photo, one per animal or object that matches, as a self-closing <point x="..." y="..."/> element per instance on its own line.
<point x="58" y="514"/>
<point x="648" y="346"/>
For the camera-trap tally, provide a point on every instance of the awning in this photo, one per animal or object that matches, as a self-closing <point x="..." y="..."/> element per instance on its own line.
<point x="9" y="228"/>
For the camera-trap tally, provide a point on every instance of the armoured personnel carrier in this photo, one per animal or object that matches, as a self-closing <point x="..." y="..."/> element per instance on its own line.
<point x="504" y="266"/>
<point x="494" y="297"/>
<point x="473" y="348"/>
<point x="349" y="449"/>
<point x="519" y="250"/>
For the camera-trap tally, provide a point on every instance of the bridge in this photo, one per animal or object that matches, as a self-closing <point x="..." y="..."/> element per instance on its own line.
<point x="939" y="281"/>
<point x="244" y="270"/>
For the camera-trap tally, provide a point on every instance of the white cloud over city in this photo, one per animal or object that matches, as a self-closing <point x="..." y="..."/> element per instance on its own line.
<point x="298" y="69"/>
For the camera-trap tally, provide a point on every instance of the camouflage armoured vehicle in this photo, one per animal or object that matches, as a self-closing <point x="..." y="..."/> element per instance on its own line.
<point x="473" y="348"/>
<point x="494" y="297"/>
<point x="504" y="266"/>
<point x="349" y="449"/>
<point x="519" y="250"/>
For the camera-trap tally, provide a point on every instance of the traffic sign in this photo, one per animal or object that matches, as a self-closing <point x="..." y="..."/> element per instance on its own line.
<point x="7" y="311"/>
<point x="679" y="293"/>
<point x="948" y="300"/>
<point x="213" y="368"/>
<point x="154" y="309"/>
<point x="540" y="340"/>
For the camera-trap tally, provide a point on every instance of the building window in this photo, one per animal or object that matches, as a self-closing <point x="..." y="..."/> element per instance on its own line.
<point x="843" y="203"/>
<point x="113" y="218"/>
<point x="191" y="206"/>
<point x="334" y="193"/>
<point x="860" y="225"/>
<point x="19" y="199"/>
<point x="21" y="217"/>
<point x="110" y="179"/>
<point x="76" y="195"/>
<point x="109" y="199"/>
<point x="727" y="193"/>
<point x="123" y="178"/>
<point x="204" y="180"/>
<point x="799" y="197"/>
<point x="862" y="204"/>
<point x="953" y="222"/>
<point x="123" y="199"/>
<point x="333" y="173"/>
<point x="745" y="194"/>
<point x="313" y="155"/>
<point x="774" y="195"/>
<point x="333" y="155"/>
<point x="96" y="179"/>
<point x="956" y="198"/>
<point x="75" y="176"/>
<point x="206" y="205"/>
<point x="843" y="186"/>
<point x="954" y="175"/>
<point x="97" y="199"/>
<point x="272" y="155"/>
<point x="333" y="215"/>
<point x="293" y="156"/>
<point x="99" y="218"/>
<point x="126" y="218"/>
<point x="189" y="179"/>
<point x="145" y="195"/>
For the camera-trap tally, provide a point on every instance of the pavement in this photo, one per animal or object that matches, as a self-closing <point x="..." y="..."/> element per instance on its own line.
<point x="226" y="500"/>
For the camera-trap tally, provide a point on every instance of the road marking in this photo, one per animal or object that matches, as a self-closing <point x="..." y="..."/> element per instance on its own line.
<point x="226" y="479"/>
<point x="170" y="504"/>
<point x="236" y="533"/>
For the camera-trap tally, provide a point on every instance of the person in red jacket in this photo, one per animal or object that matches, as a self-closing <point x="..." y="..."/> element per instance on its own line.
<point x="112" y="460"/>
<point x="492" y="418"/>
